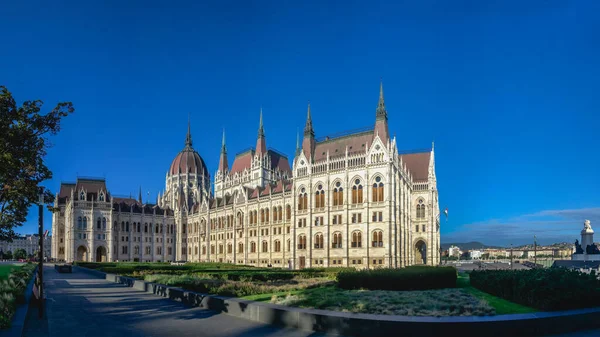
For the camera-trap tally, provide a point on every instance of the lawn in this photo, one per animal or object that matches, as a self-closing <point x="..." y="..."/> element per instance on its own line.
<point x="5" y="270"/>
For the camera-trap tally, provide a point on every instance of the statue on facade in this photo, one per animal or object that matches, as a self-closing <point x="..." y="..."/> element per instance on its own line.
<point x="587" y="225"/>
<point x="578" y="249"/>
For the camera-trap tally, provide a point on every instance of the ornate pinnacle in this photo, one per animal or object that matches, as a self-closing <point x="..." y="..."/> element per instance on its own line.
<point x="261" y="130"/>
<point x="308" y="128"/>
<point x="188" y="137"/>
<point x="381" y="111"/>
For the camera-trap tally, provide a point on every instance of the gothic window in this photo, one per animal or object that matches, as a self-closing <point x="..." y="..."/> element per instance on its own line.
<point x="338" y="194"/>
<point x="262" y="216"/>
<point x="279" y="213"/>
<point x="85" y="223"/>
<point x="265" y="246"/>
<point x="229" y="248"/>
<point x="103" y="224"/>
<point x="318" y="241"/>
<point x="377" y="190"/>
<point x="145" y="228"/>
<point x="320" y="197"/>
<point x="288" y="245"/>
<point x="240" y="219"/>
<point x="139" y="227"/>
<point x="288" y="212"/>
<point x="82" y="196"/>
<point x="302" y="241"/>
<point x="337" y="240"/>
<point x="421" y="209"/>
<point x="252" y="247"/>
<point x="356" y="239"/>
<point x="79" y="223"/>
<point x="127" y="226"/>
<point x="266" y="215"/>
<point x="377" y="239"/>
<point x="101" y="197"/>
<point x="357" y="192"/>
<point x="277" y="244"/>
<point x="302" y="200"/>
<point x="240" y="247"/>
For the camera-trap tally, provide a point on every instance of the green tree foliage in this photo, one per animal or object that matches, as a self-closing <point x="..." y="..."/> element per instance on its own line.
<point x="8" y="255"/>
<point x="20" y="254"/>
<point x="23" y="145"/>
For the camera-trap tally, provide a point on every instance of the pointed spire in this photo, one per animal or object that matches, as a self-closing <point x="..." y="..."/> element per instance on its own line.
<point x="223" y="165"/>
<point x="381" y="111"/>
<point x="298" y="148"/>
<point x="140" y="195"/>
<point x="261" y="146"/>
<point x="188" y="137"/>
<point x="308" y="128"/>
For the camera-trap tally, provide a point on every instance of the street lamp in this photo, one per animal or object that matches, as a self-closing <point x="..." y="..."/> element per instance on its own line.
<point x="41" y="251"/>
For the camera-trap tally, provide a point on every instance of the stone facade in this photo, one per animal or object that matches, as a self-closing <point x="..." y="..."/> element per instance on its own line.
<point x="349" y="200"/>
<point x="30" y="243"/>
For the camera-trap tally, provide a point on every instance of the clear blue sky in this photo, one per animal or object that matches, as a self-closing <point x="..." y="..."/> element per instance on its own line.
<point x="507" y="89"/>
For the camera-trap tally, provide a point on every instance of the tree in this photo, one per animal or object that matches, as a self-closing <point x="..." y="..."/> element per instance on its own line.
<point x="23" y="145"/>
<point x="20" y="254"/>
<point x="8" y="255"/>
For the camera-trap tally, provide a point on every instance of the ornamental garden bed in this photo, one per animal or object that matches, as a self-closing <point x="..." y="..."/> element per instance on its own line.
<point x="13" y="281"/>
<point x="413" y="291"/>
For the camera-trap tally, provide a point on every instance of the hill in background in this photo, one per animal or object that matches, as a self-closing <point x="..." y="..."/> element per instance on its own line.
<point x="468" y="245"/>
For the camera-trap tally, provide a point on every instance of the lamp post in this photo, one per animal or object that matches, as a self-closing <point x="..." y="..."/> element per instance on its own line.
<point x="41" y="251"/>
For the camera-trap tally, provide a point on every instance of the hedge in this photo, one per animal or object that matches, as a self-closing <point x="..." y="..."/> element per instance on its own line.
<point x="544" y="289"/>
<point x="12" y="293"/>
<point x="409" y="278"/>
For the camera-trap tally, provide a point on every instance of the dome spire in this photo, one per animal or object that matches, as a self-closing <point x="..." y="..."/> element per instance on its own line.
<point x="261" y="146"/>
<point x="188" y="137"/>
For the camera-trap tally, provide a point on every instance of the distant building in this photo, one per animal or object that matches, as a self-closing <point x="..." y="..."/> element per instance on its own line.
<point x="475" y="254"/>
<point x="29" y="243"/>
<point x="454" y="251"/>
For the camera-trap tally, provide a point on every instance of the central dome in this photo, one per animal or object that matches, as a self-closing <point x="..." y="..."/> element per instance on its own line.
<point x="188" y="161"/>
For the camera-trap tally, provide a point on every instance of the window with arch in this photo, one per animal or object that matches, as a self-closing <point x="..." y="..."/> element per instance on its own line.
<point x="116" y="226"/>
<point x="288" y="212"/>
<point x="103" y="224"/>
<point x="145" y="228"/>
<point x="101" y="197"/>
<point x="377" y="193"/>
<point x="85" y="223"/>
<point x="240" y="219"/>
<point x="320" y="197"/>
<point x="288" y="245"/>
<point x="279" y="213"/>
<point x="123" y="226"/>
<point x="196" y="250"/>
<point x="240" y="247"/>
<point x="127" y="226"/>
<point x="82" y="196"/>
<point x="356" y="239"/>
<point x="337" y="240"/>
<point x="357" y="192"/>
<point x="302" y="241"/>
<point x="421" y="209"/>
<point x="203" y="250"/>
<point x="266" y="215"/>
<point x="139" y="227"/>
<point x="338" y="194"/>
<point x="136" y="249"/>
<point x="319" y="241"/>
<point x="262" y="216"/>
<point x="377" y="239"/>
<point x="212" y="249"/>
<point x="277" y="246"/>
<point x="265" y="246"/>
<point x="252" y="247"/>
<point x="302" y="200"/>
<point x="229" y="248"/>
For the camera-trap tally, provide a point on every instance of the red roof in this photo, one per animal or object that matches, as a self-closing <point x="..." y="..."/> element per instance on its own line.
<point x="417" y="164"/>
<point x="188" y="161"/>
<point x="356" y="143"/>
<point x="243" y="161"/>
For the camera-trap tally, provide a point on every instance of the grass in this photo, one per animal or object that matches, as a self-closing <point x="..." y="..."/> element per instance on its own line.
<point x="440" y="302"/>
<point x="502" y="306"/>
<point x="6" y="269"/>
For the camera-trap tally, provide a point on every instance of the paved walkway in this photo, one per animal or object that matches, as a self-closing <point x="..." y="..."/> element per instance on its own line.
<point x="79" y="304"/>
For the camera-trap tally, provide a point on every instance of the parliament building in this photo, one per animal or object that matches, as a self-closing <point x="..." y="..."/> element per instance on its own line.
<point x="352" y="200"/>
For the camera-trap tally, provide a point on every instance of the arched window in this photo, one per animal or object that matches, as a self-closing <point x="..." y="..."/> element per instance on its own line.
<point x="337" y="240"/>
<point x="139" y="227"/>
<point x="266" y="215"/>
<point x="101" y="197"/>
<point x="99" y="224"/>
<point x="122" y="226"/>
<point x="156" y="229"/>
<point x="196" y="250"/>
<point x="274" y="213"/>
<point x="203" y="250"/>
<point x="240" y="219"/>
<point x="338" y="194"/>
<point x="116" y="226"/>
<point x="288" y="245"/>
<point x="421" y="209"/>
<point x="318" y="241"/>
<point x="252" y="247"/>
<point x="302" y="241"/>
<point x="288" y="212"/>
<point x="356" y="239"/>
<point x="85" y="223"/>
<point x="103" y="224"/>
<point x="302" y="200"/>
<point x="212" y="249"/>
<point x="229" y="248"/>
<point x="262" y="216"/>
<point x="127" y="226"/>
<point x="82" y="196"/>
<point x="240" y="247"/>
<point x="377" y="239"/>
<point x="265" y="246"/>
<point x="279" y="213"/>
<point x="146" y="228"/>
<point x="377" y="190"/>
<point x="277" y="246"/>
<point x="320" y="197"/>
<point x="79" y="223"/>
<point x="357" y="192"/>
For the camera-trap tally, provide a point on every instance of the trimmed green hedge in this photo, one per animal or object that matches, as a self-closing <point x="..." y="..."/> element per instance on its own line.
<point x="409" y="278"/>
<point x="12" y="293"/>
<point x="544" y="289"/>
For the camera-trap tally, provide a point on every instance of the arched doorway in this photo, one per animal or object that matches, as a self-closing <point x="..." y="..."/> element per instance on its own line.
<point x="420" y="252"/>
<point x="82" y="254"/>
<point x="101" y="254"/>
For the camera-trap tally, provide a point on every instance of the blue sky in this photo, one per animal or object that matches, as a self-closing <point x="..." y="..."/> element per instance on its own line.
<point x="507" y="89"/>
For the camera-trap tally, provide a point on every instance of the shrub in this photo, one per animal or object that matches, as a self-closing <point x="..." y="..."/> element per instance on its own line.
<point x="410" y="278"/>
<point x="544" y="289"/>
<point x="12" y="293"/>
